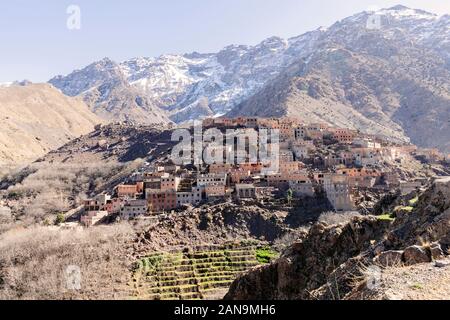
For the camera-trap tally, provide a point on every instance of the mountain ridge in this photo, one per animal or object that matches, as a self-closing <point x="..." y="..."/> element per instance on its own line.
<point x="197" y="85"/>
<point x="37" y="118"/>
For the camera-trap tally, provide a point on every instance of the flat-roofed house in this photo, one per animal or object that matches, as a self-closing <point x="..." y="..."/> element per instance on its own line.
<point x="193" y="197"/>
<point x="246" y="191"/>
<point x="170" y="182"/>
<point x="215" y="191"/>
<point x="339" y="192"/>
<point x="212" y="179"/>
<point x="302" y="187"/>
<point x="95" y="210"/>
<point x="159" y="200"/>
<point x="134" y="208"/>
<point x="127" y="191"/>
<point x="91" y="218"/>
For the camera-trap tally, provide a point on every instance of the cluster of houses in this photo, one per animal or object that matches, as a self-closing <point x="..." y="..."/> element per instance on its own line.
<point x="313" y="158"/>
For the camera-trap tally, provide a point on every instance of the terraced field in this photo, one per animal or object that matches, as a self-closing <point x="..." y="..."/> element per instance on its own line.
<point x="202" y="273"/>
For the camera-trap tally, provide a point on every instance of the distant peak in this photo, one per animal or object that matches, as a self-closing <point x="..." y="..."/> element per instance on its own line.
<point x="407" y="11"/>
<point x="106" y="60"/>
<point x="23" y="83"/>
<point x="273" y="39"/>
<point x="399" y="7"/>
<point x="273" y="42"/>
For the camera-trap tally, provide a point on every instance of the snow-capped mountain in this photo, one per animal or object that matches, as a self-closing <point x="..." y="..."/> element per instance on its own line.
<point x="106" y="90"/>
<point x="362" y="72"/>
<point x="193" y="85"/>
<point x="384" y="72"/>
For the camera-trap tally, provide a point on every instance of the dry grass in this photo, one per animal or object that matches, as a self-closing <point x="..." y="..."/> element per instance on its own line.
<point x="45" y="190"/>
<point x="33" y="262"/>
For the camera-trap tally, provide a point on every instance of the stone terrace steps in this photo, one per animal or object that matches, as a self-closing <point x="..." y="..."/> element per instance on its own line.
<point x="192" y="275"/>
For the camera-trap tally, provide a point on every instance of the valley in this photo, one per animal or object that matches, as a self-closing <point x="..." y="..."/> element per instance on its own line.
<point x="310" y="168"/>
<point x="190" y="232"/>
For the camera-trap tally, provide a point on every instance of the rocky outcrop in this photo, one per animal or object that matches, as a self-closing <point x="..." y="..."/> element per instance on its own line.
<point x="389" y="258"/>
<point x="416" y="254"/>
<point x="214" y="224"/>
<point x="334" y="262"/>
<point x="429" y="221"/>
<point x="306" y="265"/>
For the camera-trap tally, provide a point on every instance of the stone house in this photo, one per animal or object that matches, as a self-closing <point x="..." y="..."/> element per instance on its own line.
<point x="212" y="179"/>
<point x="237" y="175"/>
<point x="169" y="183"/>
<point x="92" y="218"/>
<point x="215" y="191"/>
<point x="343" y="135"/>
<point x="220" y="168"/>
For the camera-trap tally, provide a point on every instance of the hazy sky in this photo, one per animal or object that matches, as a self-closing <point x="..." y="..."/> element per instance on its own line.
<point x="36" y="43"/>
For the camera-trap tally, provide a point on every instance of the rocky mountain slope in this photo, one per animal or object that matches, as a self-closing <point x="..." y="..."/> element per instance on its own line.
<point x="187" y="86"/>
<point x="354" y="260"/>
<point x="393" y="80"/>
<point x="105" y="89"/>
<point x="37" y="118"/>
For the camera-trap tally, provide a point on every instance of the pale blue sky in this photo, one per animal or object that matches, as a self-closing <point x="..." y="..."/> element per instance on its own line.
<point x="36" y="45"/>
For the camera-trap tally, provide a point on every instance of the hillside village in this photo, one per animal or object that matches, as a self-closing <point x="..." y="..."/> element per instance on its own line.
<point x="342" y="164"/>
<point x="311" y="165"/>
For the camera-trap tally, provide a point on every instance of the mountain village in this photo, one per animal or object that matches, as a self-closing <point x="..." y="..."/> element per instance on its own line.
<point x="314" y="159"/>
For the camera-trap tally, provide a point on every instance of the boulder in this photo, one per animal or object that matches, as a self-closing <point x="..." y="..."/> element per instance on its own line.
<point x="392" y="295"/>
<point x="442" y="263"/>
<point x="389" y="258"/>
<point x="379" y="249"/>
<point x="416" y="254"/>
<point x="436" y="251"/>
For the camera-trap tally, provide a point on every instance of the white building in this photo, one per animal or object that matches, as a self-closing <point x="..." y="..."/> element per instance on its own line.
<point x="367" y="143"/>
<point x="193" y="197"/>
<point x="211" y="179"/>
<point x="133" y="208"/>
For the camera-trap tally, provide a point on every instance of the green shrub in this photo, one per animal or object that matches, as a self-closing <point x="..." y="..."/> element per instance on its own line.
<point x="265" y="255"/>
<point x="60" y="218"/>
<point x="413" y="202"/>
<point x="386" y="217"/>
